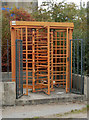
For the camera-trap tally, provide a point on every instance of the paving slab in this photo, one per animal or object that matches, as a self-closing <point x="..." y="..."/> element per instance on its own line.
<point x="59" y="95"/>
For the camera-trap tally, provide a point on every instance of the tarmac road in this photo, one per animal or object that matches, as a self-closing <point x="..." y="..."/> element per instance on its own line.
<point x="33" y="111"/>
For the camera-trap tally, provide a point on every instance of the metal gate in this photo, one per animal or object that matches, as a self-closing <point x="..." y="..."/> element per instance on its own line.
<point x="76" y="66"/>
<point x="45" y="54"/>
<point x="60" y="41"/>
<point x="19" y="69"/>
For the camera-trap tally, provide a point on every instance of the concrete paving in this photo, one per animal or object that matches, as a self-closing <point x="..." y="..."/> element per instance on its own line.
<point x="41" y="110"/>
<point x="88" y="115"/>
<point x="42" y="105"/>
<point x="59" y="95"/>
<point x="0" y="113"/>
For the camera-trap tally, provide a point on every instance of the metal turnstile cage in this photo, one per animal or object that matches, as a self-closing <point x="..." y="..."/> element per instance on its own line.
<point x="45" y="54"/>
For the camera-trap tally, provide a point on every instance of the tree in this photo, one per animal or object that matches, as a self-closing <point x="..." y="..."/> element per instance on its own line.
<point x="66" y="12"/>
<point x="7" y="16"/>
<point x="57" y="12"/>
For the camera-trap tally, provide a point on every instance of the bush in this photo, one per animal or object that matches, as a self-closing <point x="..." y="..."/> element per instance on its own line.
<point x="7" y="16"/>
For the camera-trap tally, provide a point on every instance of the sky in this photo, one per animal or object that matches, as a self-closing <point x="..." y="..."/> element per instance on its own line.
<point x="75" y="1"/>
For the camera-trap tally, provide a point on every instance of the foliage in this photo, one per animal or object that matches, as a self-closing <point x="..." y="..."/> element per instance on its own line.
<point x="7" y="16"/>
<point x="66" y="12"/>
<point x="57" y="12"/>
<point x="52" y="12"/>
<point x="12" y="15"/>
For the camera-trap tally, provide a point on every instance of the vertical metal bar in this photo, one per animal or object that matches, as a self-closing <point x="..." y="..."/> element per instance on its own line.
<point x="21" y="67"/>
<point x="67" y="60"/>
<point x="74" y="65"/>
<point x="37" y="31"/>
<point x="13" y="38"/>
<point x="18" y="66"/>
<point x="70" y="38"/>
<point x="74" y="57"/>
<point x="70" y="66"/>
<point x="83" y="64"/>
<point x="48" y="35"/>
<point x="81" y="67"/>
<point x="33" y="59"/>
<point x="7" y="60"/>
<point x="16" y="72"/>
<point x="55" y="54"/>
<point x="51" y="51"/>
<point x="60" y="53"/>
<point x="77" y="63"/>
<point x="21" y="62"/>
<point x="63" y="58"/>
<point x="26" y="62"/>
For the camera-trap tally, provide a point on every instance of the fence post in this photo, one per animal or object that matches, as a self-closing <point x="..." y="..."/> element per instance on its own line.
<point x="70" y="66"/>
<point x="81" y="67"/>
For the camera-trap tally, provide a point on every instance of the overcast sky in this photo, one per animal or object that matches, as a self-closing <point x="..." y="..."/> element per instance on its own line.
<point x="75" y="1"/>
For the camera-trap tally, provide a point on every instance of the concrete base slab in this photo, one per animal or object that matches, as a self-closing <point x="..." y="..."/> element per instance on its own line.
<point x="59" y="95"/>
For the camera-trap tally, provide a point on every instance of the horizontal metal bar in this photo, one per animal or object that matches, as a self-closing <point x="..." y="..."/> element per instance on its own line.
<point x="76" y="39"/>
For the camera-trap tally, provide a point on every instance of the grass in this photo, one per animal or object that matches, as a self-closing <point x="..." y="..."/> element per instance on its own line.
<point x="83" y="110"/>
<point x="35" y="118"/>
<point x="87" y="107"/>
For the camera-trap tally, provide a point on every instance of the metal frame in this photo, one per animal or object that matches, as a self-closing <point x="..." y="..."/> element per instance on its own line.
<point x="45" y="54"/>
<point x="19" y="69"/>
<point x="82" y="77"/>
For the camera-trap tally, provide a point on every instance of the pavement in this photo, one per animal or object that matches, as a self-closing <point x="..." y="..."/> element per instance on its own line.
<point x="0" y="113"/>
<point x="59" y="95"/>
<point x="41" y="105"/>
<point x="43" y="110"/>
